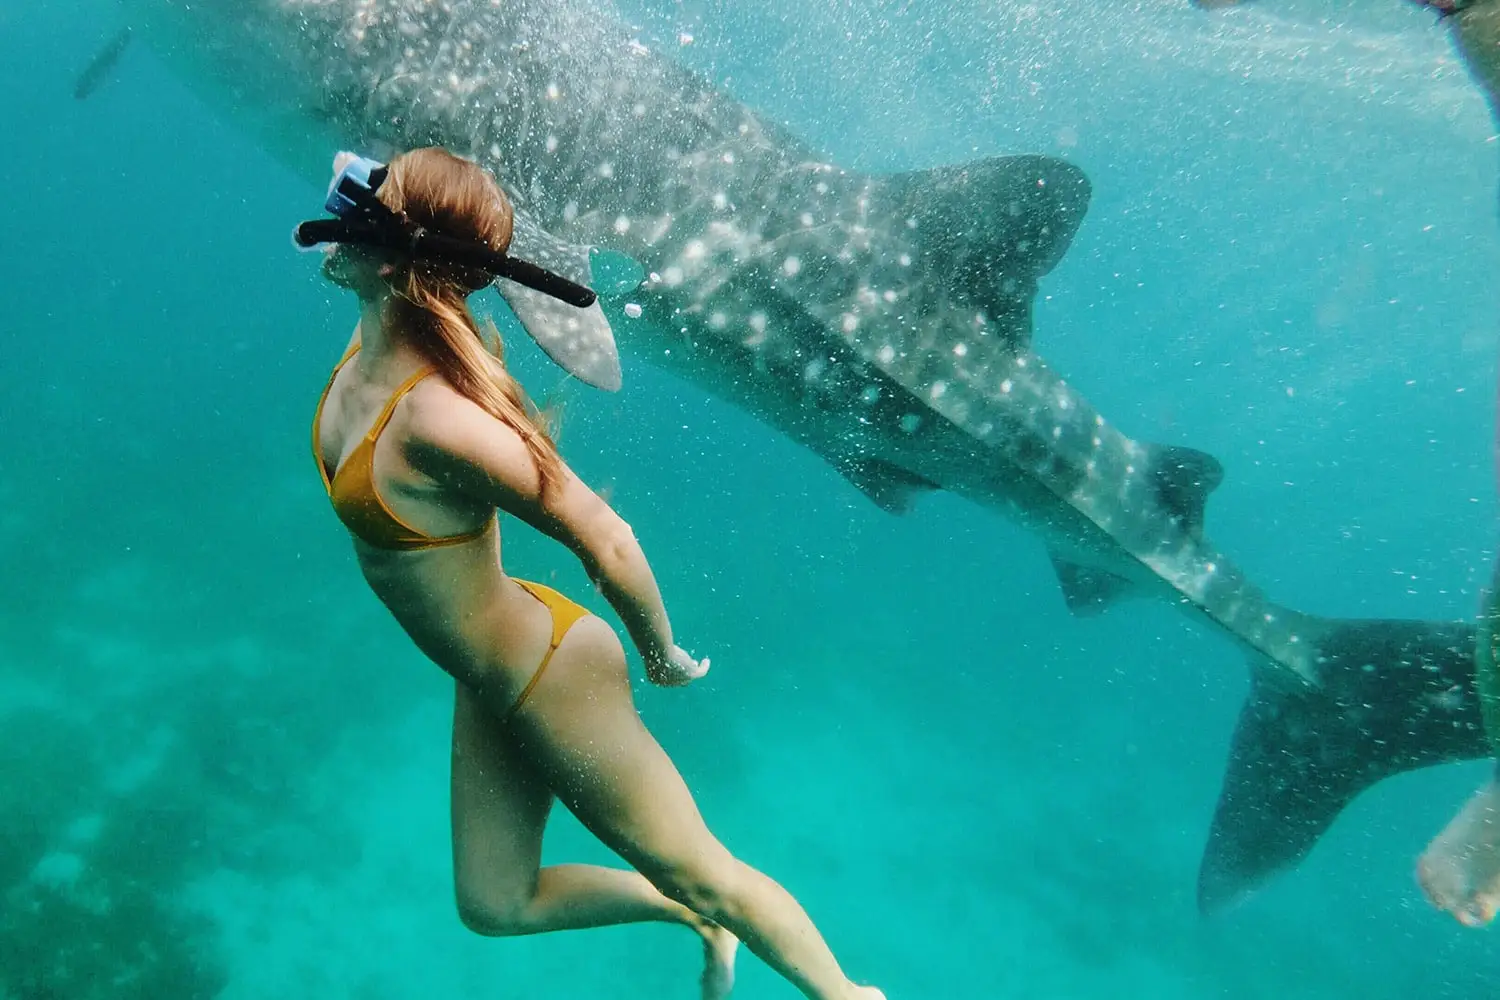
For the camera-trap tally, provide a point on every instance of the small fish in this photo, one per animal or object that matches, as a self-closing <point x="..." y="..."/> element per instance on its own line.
<point x="97" y="71"/>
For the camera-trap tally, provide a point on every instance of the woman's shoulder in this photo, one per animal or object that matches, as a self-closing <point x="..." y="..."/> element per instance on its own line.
<point x="446" y="431"/>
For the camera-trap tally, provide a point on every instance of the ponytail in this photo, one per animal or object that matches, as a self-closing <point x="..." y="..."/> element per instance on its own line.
<point x="444" y="330"/>
<point x="445" y="192"/>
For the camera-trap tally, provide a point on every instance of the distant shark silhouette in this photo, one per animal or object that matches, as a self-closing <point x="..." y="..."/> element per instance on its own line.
<point x="884" y="322"/>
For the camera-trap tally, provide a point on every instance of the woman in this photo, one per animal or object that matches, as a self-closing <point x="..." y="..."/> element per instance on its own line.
<point x="421" y="436"/>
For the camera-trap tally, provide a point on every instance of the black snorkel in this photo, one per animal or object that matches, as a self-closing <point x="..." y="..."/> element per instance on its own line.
<point x="364" y="220"/>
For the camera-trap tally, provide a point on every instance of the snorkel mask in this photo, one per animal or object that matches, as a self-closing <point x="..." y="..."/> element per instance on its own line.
<point x="362" y="219"/>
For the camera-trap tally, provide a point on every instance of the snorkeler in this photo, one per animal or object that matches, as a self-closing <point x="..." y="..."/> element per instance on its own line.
<point x="420" y="441"/>
<point x="1460" y="870"/>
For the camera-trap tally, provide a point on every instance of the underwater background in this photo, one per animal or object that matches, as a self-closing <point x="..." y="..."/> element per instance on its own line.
<point x="223" y="769"/>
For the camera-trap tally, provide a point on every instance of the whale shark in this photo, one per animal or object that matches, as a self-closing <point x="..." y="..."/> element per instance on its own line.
<point x="882" y="321"/>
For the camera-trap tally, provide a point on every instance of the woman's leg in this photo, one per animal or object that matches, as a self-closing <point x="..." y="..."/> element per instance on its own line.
<point x="500" y="805"/>
<point x="581" y="731"/>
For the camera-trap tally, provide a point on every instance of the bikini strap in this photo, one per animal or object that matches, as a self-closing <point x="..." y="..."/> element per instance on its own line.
<point x="390" y="404"/>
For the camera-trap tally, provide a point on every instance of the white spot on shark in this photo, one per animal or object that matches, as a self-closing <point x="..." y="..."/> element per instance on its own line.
<point x="553" y="92"/>
<point x="551" y="143"/>
<point x="717" y="320"/>
<point x="886" y="354"/>
<point x="1006" y="386"/>
<point x="937" y="390"/>
<point x="606" y="169"/>
<point x="870" y="393"/>
<point x="960" y="349"/>
<point x="850" y="323"/>
<point x="622" y="225"/>
<point x="791" y="266"/>
<point x="910" y="422"/>
<point x="633" y="310"/>
<point x="570" y="211"/>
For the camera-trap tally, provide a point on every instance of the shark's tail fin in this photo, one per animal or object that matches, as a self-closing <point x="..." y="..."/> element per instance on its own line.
<point x="1395" y="695"/>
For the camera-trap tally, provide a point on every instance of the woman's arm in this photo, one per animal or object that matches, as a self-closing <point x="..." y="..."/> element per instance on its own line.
<point x="458" y="443"/>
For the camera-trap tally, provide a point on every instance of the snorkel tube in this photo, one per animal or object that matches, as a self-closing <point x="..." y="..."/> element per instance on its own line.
<point x="364" y="220"/>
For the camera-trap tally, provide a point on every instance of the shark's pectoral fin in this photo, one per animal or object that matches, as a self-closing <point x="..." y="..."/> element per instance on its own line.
<point x="1184" y="479"/>
<point x="579" y="340"/>
<point x="1087" y="590"/>
<point x="889" y="487"/>
<point x="1393" y="696"/>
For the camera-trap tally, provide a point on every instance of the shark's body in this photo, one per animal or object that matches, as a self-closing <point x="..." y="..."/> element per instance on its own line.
<point x="883" y="322"/>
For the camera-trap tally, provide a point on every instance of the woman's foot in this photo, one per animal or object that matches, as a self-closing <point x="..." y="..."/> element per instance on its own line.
<point x="1460" y="870"/>
<point x="719" y="948"/>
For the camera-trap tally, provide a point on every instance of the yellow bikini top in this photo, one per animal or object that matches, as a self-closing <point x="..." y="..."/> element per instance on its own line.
<point x="351" y="488"/>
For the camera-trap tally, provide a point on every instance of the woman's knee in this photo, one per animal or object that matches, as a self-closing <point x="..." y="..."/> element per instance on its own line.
<point x="491" y="916"/>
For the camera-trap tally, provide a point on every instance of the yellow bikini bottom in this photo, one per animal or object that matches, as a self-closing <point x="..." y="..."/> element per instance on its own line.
<point x="564" y="614"/>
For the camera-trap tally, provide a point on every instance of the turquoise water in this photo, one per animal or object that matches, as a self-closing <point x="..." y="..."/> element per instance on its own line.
<point x="223" y="769"/>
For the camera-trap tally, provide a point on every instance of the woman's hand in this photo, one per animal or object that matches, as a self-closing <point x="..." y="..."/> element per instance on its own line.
<point x="675" y="668"/>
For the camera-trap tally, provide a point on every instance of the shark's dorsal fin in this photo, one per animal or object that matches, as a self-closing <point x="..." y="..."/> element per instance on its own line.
<point x="1184" y="479"/>
<point x="967" y="242"/>
<point x="579" y="340"/>
<point x="1087" y="590"/>
<point x="936" y="273"/>
<point x="889" y="487"/>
